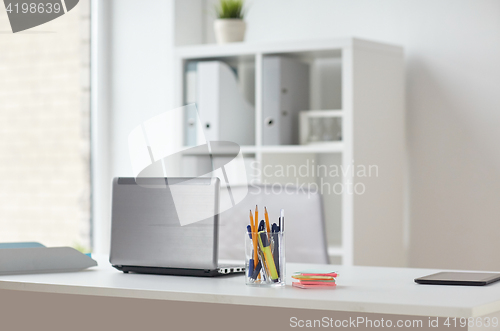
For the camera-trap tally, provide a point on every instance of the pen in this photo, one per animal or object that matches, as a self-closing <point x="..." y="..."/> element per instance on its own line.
<point x="256" y="271"/>
<point x="250" y="262"/>
<point x="282" y="220"/>
<point x="276" y="249"/>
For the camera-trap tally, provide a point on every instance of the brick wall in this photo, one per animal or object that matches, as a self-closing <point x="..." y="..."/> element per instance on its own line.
<point x="44" y="131"/>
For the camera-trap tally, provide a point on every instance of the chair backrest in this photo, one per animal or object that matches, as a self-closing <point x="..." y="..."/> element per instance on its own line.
<point x="304" y="222"/>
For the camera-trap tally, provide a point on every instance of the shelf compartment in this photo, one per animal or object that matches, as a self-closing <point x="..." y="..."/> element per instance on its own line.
<point x="310" y="120"/>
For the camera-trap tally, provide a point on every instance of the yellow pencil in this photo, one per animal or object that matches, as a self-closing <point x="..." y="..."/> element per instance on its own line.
<point x="267" y="221"/>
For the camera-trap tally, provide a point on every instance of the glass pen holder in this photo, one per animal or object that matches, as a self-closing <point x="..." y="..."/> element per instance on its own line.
<point x="265" y="258"/>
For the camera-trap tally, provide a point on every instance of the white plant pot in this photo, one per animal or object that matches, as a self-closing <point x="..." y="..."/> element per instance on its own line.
<point x="229" y="30"/>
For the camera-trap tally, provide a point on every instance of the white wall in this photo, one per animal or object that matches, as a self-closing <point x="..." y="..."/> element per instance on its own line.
<point x="453" y="103"/>
<point x="134" y="47"/>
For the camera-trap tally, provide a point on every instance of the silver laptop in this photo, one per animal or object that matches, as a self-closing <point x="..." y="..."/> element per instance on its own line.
<point x="167" y="226"/>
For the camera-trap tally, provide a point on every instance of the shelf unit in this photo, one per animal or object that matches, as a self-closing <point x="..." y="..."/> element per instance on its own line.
<point x="371" y="83"/>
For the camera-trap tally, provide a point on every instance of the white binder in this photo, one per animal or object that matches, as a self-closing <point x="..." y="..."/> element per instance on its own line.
<point x="285" y="92"/>
<point x="224" y="112"/>
<point x="191" y="117"/>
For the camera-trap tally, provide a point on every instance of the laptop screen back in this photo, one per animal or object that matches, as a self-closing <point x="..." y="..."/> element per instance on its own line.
<point x="146" y="222"/>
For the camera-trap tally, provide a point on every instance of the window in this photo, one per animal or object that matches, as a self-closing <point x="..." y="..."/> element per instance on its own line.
<point x="44" y="131"/>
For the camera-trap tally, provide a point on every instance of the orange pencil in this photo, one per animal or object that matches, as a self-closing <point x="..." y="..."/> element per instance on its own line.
<point x="254" y="241"/>
<point x="256" y="227"/>
<point x="267" y="221"/>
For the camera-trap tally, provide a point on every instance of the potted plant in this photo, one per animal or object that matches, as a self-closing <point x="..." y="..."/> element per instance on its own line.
<point x="229" y="26"/>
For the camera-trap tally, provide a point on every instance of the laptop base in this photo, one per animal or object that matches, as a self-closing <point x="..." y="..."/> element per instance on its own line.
<point x="179" y="271"/>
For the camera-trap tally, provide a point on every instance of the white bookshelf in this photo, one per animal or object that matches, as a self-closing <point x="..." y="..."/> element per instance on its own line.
<point x="371" y="91"/>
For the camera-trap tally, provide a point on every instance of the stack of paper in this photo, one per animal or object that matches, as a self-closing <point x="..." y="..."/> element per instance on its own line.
<point x="313" y="278"/>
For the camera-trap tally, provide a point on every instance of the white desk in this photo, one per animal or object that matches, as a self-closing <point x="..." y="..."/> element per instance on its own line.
<point x="360" y="289"/>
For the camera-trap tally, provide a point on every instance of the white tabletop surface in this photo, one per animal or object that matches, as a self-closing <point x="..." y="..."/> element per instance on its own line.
<point x="360" y="289"/>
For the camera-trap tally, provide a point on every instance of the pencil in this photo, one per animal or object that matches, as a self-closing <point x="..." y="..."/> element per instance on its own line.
<point x="256" y="217"/>
<point x="267" y="220"/>
<point x="256" y="226"/>
<point x="254" y="240"/>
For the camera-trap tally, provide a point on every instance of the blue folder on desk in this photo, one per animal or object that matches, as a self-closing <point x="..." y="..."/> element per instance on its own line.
<point x="27" y="244"/>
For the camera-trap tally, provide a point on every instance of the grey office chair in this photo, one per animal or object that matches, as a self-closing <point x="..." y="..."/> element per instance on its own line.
<point x="304" y="222"/>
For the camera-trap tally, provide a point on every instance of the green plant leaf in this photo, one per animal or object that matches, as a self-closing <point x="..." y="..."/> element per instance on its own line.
<point x="230" y="9"/>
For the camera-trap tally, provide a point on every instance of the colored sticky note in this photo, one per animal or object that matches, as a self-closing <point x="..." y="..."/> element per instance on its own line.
<point x="312" y="277"/>
<point x="319" y="286"/>
<point x="318" y="272"/>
